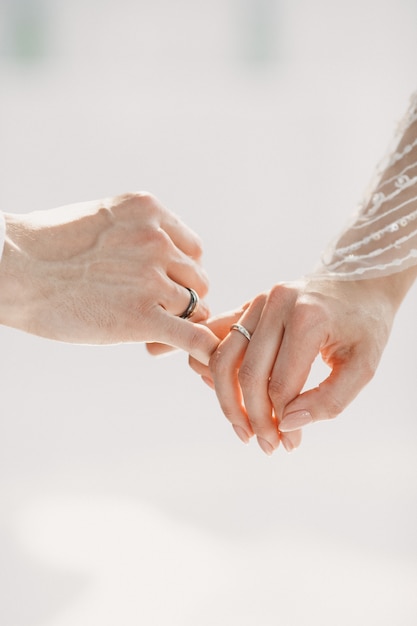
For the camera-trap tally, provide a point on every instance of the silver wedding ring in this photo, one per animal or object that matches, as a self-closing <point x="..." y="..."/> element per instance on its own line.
<point x="242" y="330"/>
<point x="191" y="306"/>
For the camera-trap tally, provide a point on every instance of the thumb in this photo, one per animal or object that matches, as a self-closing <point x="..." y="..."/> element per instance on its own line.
<point x="196" y="339"/>
<point x="327" y="400"/>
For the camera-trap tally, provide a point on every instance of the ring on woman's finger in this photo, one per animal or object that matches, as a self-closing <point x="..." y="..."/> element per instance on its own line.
<point x="242" y="330"/>
<point x="192" y="305"/>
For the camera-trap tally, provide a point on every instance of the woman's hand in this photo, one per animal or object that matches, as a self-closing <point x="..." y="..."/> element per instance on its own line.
<point x="102" y="272"/>
<point x="259" y="383"/>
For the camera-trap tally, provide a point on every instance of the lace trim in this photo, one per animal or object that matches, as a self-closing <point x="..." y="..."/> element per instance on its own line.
<point x="371" y="245"/>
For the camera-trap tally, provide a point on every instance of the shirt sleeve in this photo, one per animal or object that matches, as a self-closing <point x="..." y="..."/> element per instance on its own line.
<point x="2" y="233"/>
<point x="382" y="236"/>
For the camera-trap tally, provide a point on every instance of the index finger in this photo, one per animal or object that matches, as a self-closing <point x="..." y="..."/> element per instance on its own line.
<point x="298" y="350"/>
<point x="331" y="397"/>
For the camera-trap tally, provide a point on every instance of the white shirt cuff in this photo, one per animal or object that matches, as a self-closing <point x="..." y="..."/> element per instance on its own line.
<point x="2" y="233"/>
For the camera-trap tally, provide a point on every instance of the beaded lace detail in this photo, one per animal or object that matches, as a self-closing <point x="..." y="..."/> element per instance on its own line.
<point x="382" y="236"/>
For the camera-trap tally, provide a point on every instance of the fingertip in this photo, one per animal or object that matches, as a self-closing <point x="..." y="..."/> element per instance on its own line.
<point x="265" y="446"/>
<point x="198" y="340"/>
<point x="241" y="433"/>
<point x="202" y="343"/>
<point x="292" y="440"/>
<point x="159" y="349"/>
<point x="295" y="420"/>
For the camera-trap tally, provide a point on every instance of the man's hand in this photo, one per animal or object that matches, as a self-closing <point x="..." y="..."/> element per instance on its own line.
<point x="102" y="272"/>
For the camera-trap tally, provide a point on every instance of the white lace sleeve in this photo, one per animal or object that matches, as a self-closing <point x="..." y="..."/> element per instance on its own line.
<point x="2" y="233"/>
<point x="382" y="237"/>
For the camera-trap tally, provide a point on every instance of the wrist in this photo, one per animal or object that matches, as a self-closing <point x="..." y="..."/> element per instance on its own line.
<point x="390" y="289"/>
<point x="394" y="286"/>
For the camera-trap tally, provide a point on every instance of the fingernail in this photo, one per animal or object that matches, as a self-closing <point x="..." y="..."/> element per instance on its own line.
<point x="208" y="381"/>
<point x="265" y="446"/>
<point x="294" y="421"/>
<point x="241" y="433"/>
<point x="290" y="443"/>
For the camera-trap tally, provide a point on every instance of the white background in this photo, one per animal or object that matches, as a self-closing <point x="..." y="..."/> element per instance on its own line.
<point x="125" y="497"/>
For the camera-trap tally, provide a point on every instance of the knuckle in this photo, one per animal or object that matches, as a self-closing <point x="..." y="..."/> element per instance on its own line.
<point x="276" y="297"/>
<point x="334" y="406"/>
<point x="221" y="363"/>
<point x="103" y="211"/>
<point x="143" y="198"/>
<point x="368" y="369"/>
<point x="258" y="301"/>
<point x="278" y="390"/>
<point x="306" y="312"/>
<point x="155" y="239"/>
<point x="145" y="202"/>
<point x="308" y="315"/>
<point x="248" y="377"/>
<point x="280" y="294"/>
<point x="217" y="364"/>
<point x="131" y="206"/>
<point x="141" y="202"/>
